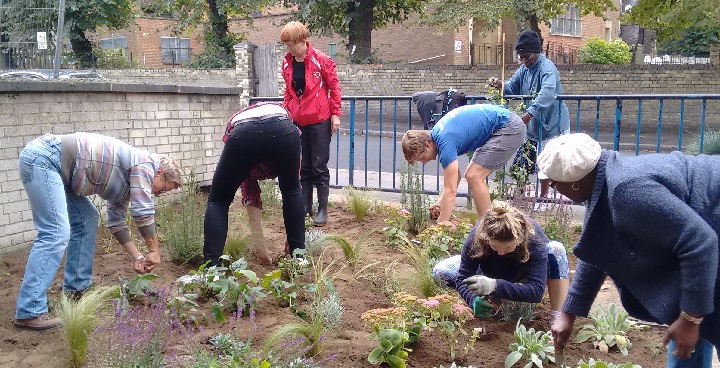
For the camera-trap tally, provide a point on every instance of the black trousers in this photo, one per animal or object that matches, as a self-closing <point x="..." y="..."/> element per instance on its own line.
<point x="315" y="154"/>
<point x="274" y="141"/>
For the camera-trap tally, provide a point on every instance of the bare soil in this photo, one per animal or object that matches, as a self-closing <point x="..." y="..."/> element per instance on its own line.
<point x="348" y="347"/>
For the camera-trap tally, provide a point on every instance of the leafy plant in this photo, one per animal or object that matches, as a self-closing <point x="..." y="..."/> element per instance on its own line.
<point x="517" y="311"/>
<point x="534" y="347"/>
<point x="413" y="199"/>
<point x="599" y="51"/>
<point x="710" y="144"/>
<point x="392" y="348"/>
<point x="137" y="286"/>
<point x="358" y="203"/>
<point x="443" y="241"/>
<point x="236" y="246"/>
<point x="80" y="318"/>
<point x="592" y="363"/>
<point x="610" y="329"/>
<point x="183" y="226"/>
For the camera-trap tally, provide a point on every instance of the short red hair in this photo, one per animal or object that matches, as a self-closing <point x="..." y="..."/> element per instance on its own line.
<point x="294" y="32"/>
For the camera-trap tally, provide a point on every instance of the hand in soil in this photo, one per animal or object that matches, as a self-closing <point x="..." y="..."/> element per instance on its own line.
<point x="263" y="256"/>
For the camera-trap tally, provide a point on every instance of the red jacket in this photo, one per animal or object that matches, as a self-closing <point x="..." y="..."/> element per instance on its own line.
<point x="321" y="97"/>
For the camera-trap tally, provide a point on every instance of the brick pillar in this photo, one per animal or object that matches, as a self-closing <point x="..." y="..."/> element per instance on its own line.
<point x="715" y="54"/>
<point x="462" y="35"/>
<point x="639" y="54"/>
<point x="244" y="71"/>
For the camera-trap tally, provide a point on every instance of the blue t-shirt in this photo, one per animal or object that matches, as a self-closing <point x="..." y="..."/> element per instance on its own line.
<point x="465" y="129"/>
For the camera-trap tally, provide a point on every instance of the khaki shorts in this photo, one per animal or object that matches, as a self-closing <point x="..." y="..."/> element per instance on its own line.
<point x="502" y="145"/>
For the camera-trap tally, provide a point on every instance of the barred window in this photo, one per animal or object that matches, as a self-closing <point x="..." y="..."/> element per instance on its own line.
<point x="568" y="24"/>
<point x="175" y="50"/>
<point x="114" y="42"/>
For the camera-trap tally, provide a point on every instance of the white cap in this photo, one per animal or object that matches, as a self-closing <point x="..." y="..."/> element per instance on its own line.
<point x="568" y="158"/>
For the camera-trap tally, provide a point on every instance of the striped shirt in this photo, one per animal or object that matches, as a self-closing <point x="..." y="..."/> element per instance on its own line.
<point x="117" y="172"/>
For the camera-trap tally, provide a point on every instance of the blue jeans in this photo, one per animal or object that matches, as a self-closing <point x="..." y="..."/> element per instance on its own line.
<point x="701" y="358"/>
<point x="63" y="220"/>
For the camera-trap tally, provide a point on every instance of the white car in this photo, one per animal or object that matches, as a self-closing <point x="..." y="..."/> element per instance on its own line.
<point x="50" y="74"/>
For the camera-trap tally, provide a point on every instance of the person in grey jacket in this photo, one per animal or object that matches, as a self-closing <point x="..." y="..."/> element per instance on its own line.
<point x="651" y="225"/>
<point x="546" y="117"/>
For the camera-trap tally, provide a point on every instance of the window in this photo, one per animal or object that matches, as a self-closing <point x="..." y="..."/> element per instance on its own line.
<point x="175" y="50"/>
<point x="114" y="42"/>
<point x="568" y="24"/>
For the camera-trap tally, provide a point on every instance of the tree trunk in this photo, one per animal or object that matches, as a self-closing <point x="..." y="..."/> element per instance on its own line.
<point x="535" y="26"/>
<point x="219" y="27"/>
<point x="82" y="48"/>
<point x="360" y="31"/>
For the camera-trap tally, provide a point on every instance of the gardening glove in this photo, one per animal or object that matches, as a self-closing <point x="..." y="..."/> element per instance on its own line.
<point x="481" y="285"/>
<point x="482" y="308"/>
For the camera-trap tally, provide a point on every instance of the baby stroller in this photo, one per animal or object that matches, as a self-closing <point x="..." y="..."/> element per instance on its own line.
<point x="434" y="105"/>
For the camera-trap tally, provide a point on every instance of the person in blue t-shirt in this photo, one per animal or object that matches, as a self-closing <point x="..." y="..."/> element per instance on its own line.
<point x="493" y="132"/>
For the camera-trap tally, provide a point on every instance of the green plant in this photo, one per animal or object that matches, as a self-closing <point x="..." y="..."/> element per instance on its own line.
<point x="422" y="269"/>
<point x="599" y="51"/>
<point x="392" y="348"/>
<point x="236" y="246"/>
<point x="610" y="329"/>
<point x="413" y="199"/>
<point x="517" y="311"/>
<point x="137" y="286"/>
<point x="80" y="318"/>
<point x="269" y="193"/>
<point x="443" y="241"/>
<point x="183" y="226"/>
<point x="710" y="144"/>
<point x="453" y="365"/>
<point x="534" y="347"/>
<point x="592" y="363"/>
<point x="352" y="250"/>
<point x="314" y="244"/>
<point x="310" y="333"/>
<point x="358" y="203"/>
<point x="112" y="59"/>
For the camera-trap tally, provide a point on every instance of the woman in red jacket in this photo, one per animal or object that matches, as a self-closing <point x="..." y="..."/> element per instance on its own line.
<point x="312" y="96"/>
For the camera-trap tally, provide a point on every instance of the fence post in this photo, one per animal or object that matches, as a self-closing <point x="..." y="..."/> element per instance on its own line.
<point x="244" y="71"/>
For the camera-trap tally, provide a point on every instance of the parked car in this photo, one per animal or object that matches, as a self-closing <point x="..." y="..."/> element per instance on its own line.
<point x="50" y="74"/>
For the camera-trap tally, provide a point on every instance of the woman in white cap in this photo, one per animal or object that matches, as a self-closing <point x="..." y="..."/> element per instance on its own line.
<point x="651" y="225"/>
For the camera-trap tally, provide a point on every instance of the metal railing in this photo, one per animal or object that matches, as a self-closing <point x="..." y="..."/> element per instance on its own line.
<point x="367" y="151"/>
<point x="492" y="53"/>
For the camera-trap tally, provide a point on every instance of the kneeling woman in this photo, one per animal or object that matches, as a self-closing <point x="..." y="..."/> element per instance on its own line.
<point x="508" y="256"/>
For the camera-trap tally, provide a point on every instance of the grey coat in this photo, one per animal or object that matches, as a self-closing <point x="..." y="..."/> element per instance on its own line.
<point x="652" y="226"/>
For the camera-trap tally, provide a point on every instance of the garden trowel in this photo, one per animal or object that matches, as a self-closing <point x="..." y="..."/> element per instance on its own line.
<point x="559" y="356"/>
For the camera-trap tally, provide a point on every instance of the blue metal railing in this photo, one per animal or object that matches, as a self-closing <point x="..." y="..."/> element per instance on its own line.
<point x="604" y="117"/>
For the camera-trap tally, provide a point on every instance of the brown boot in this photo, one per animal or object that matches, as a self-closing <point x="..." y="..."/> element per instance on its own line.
<point x="39" y="323"/>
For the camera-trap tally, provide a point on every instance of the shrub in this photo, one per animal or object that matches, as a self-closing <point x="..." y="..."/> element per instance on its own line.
<point x="183" y="226"/>
<point x="112" y="59"/>
<point x="237" y="246"/>
<point x="598" y="51"/>
<point x="711" y="144"/>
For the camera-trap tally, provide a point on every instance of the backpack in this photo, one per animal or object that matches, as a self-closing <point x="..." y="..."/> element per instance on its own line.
<point x="434" y="105"/>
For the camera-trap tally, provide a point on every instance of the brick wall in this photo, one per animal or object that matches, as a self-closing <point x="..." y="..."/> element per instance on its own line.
<point x="181" y="121"/>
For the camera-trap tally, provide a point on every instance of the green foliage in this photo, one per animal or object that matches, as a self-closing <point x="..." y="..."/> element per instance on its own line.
<point x="236" y="246"/>
<point x="392" y="348"/>
<point x="691" y="42"/>
<point x="421" y="273"/>
<point x="452" y="14"/>
<point x="533" y="347"/>
<point x="413" y="200"/>
<point x="592" y="363"/>
<point x="610" y="329"/>
<point x="599" y="51"/>
<point x="138" y="286"/>
<point x="671" y="19"/>
<point x="517" y="311"/>
<point x="710" y="144"/>
<point x="358" y="203"/>
<point x="270" y="194"/>
<point x="213" y="57"/>
<point x="352" y="249"/>
<point x="444" y="241"/>
<point x="80" y="318"/>
<point x="183" y="224"/>
<point x="112" y="59"/>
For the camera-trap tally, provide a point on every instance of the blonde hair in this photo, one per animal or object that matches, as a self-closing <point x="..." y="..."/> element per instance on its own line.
<point x="294" y="32"/>
<point x="414" y="143"/>
<point x="171" y="170"/>
<point x="503" y="223"/>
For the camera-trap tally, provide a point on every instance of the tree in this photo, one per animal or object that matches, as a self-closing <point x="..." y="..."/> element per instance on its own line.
<point x="672" y="18"/>
<point x="452" y="14"/>
<point x="691" y="42"/>
<point x="215" y="16"/>
<point x="354" y="19"/>
<point x="82" y="16"/>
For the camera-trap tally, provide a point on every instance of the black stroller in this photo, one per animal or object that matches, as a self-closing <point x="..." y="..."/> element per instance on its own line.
<point x="434" y="105"/>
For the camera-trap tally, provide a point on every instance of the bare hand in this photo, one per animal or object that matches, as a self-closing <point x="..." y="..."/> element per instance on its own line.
<point x="526" y="118"/>
<point x="139" y="265"/>
<point x="562" y="328"/>
<point x="263" y="257"/>
<point x="685" y="334"/>
<point x="334" y="123"/>
<point x="495" y="82"/>
<point x="435" y="211"/>
<point x="152" y="260"/>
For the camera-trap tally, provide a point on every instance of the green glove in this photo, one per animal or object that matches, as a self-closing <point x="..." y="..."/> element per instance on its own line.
<point x="483" y="309"/>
